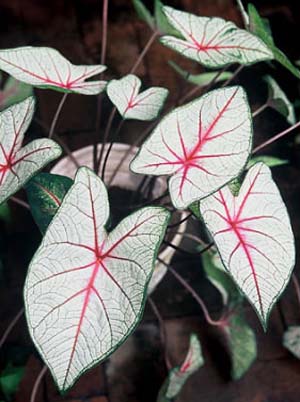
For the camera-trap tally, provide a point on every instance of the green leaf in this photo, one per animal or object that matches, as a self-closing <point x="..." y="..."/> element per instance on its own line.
<point x="161" y="20"/>
<point x="14" y="91"/>
<point x="241" y="344"/>
<point x="279" y="101"/>
<point x="261" y="27"/>
<point x="291" y="340"/>
<point x="270" y="161"/>
<point x="144" y="13"/>
<point x="5" y="213"/>
<point x="10" y="379"/>
<point x="179" y="375"/>
<point x="216" y="274"/>
<point x="45" y="193"/>
<point x="202" y="79"/>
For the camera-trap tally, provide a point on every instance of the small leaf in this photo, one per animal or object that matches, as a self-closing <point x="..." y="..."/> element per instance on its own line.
<point x="161" y="20"/>
<point x="179" y="375"/>
<point x="86" y="289"/>
<point x="202" y="145"/>
<point x="261" y="27"/>
<point x="291" y="340"/>
<point x="216" y="274"/>
<point x="10" y="379"/>
<point x="14" y="91"/>
<point x="202" y="79"/>
<point x="17" y="164"/>
<point x="254" y="237"/>
<point x="213" y="42"/>
<point x="270" y="161"/>
<point x="241" y="343"/>
<point x="143" y="13"/>
<point x="45" y="193"/>
<point x="45" y="67"/>
<point x="279" y="101"/>
<point x="131" y="104"/>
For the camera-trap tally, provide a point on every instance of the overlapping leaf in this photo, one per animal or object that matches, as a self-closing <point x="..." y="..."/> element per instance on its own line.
<point x="213" y="42"/>
<point x="254" y="237"/>
<point x="86" y="289"/>
<point x="45" y="193"/>
<point x="17" y="163"/>
<point x="202" y="79"/>
<point x="131" y="104"/>
<point x="180" y="374"/>
<point x="14" y="91"/>
<point x="202" y="145"/>
<point x="46" y="68"/>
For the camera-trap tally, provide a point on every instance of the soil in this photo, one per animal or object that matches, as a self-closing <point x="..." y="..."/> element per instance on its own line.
<point x="135" y="372"/>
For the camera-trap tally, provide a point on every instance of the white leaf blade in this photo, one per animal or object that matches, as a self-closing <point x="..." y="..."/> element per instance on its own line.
<point x="254" y="237"/>
<point x="46" y="68"/>
<point x="86" y="289"/>
<point x="131" y="104"/>
<point x="213" y="42"/>
<point x="17" y="165"/>
<point x="202" y="145"/>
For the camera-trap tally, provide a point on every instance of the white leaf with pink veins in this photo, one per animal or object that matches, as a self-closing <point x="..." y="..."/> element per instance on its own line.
<point x="253" y="234"/>
<point x="45" y="67"/>
<point x="131" y="104"/>
<point x="202" y="145"/>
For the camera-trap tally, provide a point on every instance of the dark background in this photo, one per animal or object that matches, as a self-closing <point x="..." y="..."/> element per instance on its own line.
<point x="136" y="371"/>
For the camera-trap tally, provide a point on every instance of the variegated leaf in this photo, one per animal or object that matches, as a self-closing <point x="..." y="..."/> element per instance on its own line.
<point x="202" y="145"/>
<point x="179" y="375"/>
<point x="213" y="42"/>
<point x="45" y="193"/>
<point x="291" y="340"/>
<point x="131" y="104"/>
<point x="45" y="67"/>
<point x="18" y="164"/>
<point x="279" y="101"/>
<point x="254" y="237"/>
<point x="86" y="289"/>
<point x="241" y="343"/>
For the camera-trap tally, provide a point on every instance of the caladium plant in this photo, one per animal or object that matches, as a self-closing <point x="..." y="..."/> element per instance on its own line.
<point x="86" y="289"/>
<point x="87" y="286"/>
<point x="18" y="164"/>
<point x="46" y="68"/>
<point x="202" y="145"/>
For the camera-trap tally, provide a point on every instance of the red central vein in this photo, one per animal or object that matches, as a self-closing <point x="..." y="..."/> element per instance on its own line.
<point x="233" y="222"/>
<point x="50" y="194"/>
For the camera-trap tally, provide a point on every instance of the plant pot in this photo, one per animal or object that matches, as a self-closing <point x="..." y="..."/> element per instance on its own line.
<point x="125" y="179"/>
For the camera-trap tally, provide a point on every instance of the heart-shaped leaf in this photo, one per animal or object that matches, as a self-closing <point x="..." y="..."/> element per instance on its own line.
<point x="86" y="289"/>
<point x="203" y="145"/>
<point x="45" y="67"/>
<point x="179" y="375"/>
<point x="14" y="91"/>
<point x="124" y="94"/>
<point x="17" y="164"/>
<point x="291" y="340"/>
<point x="45" y="193"/>
<point x="213" y="42"/>
<point x="253" y="234"/>
<point x="279" y="101"/>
